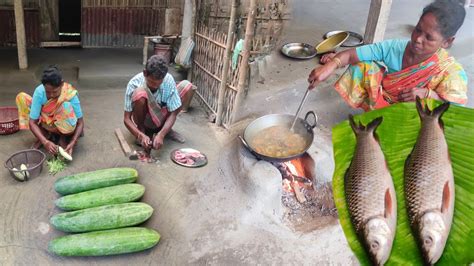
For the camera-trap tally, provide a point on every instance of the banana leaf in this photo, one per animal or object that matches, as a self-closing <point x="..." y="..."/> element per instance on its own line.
<point x="397" y="135"/>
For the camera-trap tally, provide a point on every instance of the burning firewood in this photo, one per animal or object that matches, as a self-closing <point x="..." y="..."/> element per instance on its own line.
<point x="297" y="189"/>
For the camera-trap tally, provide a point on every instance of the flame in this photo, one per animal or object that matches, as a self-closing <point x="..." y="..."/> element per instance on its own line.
<point x="296" y="167"/>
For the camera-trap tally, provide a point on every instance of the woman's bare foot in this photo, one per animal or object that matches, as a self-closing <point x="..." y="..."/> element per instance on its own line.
<point x="37" y="145"/>
<point x="326" y="58"/>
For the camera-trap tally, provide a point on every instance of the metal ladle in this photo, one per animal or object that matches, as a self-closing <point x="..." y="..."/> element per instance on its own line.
<point x="299" y="109"/>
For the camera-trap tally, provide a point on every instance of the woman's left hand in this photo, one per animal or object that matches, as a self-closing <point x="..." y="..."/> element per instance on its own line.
<point x="409" y="95"/>
<point x="70" y="147"/>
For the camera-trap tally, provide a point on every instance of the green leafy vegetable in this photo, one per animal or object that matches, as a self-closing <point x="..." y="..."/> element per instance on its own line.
<point x="397" y="135"/>
<point x="56" y="165"/>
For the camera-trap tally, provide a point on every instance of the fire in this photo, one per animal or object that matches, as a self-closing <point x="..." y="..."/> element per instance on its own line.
<point x="294" y="175"/>
<point x="296" y="167"/>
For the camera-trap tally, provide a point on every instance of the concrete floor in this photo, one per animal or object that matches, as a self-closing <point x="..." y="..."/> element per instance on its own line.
<point x="203" y="214"/>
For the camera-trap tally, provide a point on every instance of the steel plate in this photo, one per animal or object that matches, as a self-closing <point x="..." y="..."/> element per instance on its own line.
<point x="298" y="50"/>
<point x="355" y="39"/>
<point x="197" y="162"/>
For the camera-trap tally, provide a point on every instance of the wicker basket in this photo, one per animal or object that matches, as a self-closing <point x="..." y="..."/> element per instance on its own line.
<point x="33" y="159"/>
<point x="9" y="122"/>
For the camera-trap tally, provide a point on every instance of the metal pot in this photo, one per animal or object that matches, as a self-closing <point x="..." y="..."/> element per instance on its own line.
<point x="302" y="127"/>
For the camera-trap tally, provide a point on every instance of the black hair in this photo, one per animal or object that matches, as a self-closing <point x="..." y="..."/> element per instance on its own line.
<point x="156" y="67"/>
<point x="449" y="14"/>
<point x="52" y="76"/>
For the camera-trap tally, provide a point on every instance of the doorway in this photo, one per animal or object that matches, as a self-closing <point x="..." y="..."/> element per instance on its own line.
<point x="69" y="20"/>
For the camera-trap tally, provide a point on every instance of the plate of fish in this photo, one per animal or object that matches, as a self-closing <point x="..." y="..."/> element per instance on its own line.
<point x="188" y="157"/>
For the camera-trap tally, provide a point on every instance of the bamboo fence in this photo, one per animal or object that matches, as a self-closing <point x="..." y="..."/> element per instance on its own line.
<point x="207" y="71"/>
<point x="213" y="18"/>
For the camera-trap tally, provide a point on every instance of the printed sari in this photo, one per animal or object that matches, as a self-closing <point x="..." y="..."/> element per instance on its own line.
<point x="55" y="113"/>
<point x="367" y="85"/>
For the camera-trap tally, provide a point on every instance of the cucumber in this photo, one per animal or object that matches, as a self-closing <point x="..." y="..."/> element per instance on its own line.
<point x="19" y="175"/>
<point x="64" y="154"/>
<point x="101" y="196"/>
<point x="102" y="218"/>
<point x="108" y="242"/>
<point x="95" y="179"/>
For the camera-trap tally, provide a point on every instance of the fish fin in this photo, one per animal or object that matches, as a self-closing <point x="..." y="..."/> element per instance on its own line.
<point x="388" y="204"/>
<point x="439" y="111"/>
<point x="372" y="126"/>
<point x="446" y="198"/>
<point x="421" y="108"/>
<point x="356" y="128"/>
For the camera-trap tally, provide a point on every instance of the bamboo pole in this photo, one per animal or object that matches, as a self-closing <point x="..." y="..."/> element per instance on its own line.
<point x="193" y="30"/>
<point x="249" y="29"/>
<point x="225" y="69"/>
<point x="20" y="35"/>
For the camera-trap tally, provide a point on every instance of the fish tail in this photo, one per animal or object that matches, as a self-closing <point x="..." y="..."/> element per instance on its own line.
<point x="374" y="124"/>
<point x="421" y="109"/>
<point x="355" y="127"/>
<point x="439" y="111"/>
<point x="424" y="111"/>
<point x="371" y="127"/>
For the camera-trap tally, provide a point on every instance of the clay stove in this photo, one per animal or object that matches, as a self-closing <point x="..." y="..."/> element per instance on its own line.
<point x="308" y="204"/>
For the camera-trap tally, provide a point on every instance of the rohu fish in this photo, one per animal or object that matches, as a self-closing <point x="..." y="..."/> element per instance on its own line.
<point x="429" y="184"/>
<point x="370" y="193"/>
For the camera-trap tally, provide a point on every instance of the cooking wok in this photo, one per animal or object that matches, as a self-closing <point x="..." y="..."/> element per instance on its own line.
<point x="302" y="127"/>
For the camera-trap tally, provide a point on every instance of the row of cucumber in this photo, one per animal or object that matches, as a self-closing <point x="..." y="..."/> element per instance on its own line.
<point x="102" y="211"/>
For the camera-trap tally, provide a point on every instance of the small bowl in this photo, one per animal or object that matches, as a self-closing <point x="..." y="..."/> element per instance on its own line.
<point x="33" y="159"/>
<point x="332" y="42"/>
<point x="298" y="50"/>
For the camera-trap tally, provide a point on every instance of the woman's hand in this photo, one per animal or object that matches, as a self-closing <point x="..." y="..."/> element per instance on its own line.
<point x="70" y="147"/>
<point x="327" y="58"/>
<point x="320" y="74"/>
<point x="409" y="95"/>
<point x="51" y="147"/>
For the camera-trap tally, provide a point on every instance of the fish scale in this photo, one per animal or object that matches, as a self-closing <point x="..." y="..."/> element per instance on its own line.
<point x="427" y="170"/>
<point x="365" y="188"/>
<point x="370" y="193"/>
<point x="429" y="165"/>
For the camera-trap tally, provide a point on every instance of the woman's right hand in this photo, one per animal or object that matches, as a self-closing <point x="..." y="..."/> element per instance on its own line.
<point x="320" y="73"/>
<point x="51" y="147"/>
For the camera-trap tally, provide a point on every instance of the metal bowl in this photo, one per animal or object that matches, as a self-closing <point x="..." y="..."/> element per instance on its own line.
<point x="332" y="43"/>
<point x="355" y="39"/>
<point x="298" y="50"/>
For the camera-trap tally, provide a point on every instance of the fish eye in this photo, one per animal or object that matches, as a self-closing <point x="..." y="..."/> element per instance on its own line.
<point x="428" y="241"/>
<point x="374" y="245"/>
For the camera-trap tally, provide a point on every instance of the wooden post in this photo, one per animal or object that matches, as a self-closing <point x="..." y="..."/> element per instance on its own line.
<point x="193" y="30"/>
<point x="377" y="20"/>
<point x="249" y="29"/>
<point x="146" y="40"/>
<point x="225" y="68"/>
<point x="188" y="22"/>
<point x="20" y="35"/>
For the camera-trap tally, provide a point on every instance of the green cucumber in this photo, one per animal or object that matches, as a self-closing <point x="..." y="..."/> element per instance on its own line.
<point x="108" y="242"/>
<point x="101" y="196"/>
<point x="95" y="179"/>
<point x="103" y="217"/>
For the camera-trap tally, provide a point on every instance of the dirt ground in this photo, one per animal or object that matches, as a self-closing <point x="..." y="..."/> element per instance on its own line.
<point x="203" y="215"/>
